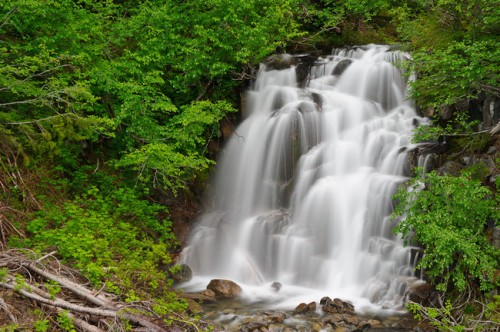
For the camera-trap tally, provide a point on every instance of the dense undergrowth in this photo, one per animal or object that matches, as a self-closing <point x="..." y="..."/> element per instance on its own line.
<point x="108" y="106"/>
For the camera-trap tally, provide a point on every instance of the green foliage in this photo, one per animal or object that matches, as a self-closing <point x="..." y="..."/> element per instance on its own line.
<point x="353" y="22"/>
<point x="20" y="283"/>
<point x="440" y="318"/>
<point x="459" y="124"/>
<point x="65" y="322"/>
<point x="117" y="234"/>
<point x="454" y="47"/>
<point x="177" y="154"/>
<point x="53" y="287"/>
<point x="140" y="75"/>
<point x="41" y="96"/>
<point x="41" y="325"/>
<point x="3" y="274"/>
<point x="448" y="218"/>
<point x="9" y="328"/>
<point x="457" y="71"/>
<point x="477" y="142"/>
<point x="479" y="316"/>
<point x="459" y="133"/>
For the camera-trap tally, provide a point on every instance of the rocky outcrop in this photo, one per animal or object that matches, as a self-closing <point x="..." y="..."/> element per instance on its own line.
<point x="484" y="109"/>
<point x="224" y="288"/>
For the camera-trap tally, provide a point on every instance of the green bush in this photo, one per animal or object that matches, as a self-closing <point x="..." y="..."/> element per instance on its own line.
<point x="117" y="236"/>
<point x="448" y="217"/>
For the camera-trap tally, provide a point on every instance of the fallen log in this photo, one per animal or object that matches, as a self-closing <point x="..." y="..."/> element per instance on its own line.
<point x="79" y="290"/>
<point x="60" y="303"/>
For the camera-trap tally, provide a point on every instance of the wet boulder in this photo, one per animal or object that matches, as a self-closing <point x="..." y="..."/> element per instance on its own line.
<point x="181" y="273"/>
<point x="336" y="306"/>
<point x="366" y="324"/>
<point x="341" y="66"/>
<point x="254" y="327"/>
<point x="276" y="286"/>
<point x="274" y="317"/>
<point x="305" y="308"/>
<point x="335" y="320"/>
<point x="224" y="288"/>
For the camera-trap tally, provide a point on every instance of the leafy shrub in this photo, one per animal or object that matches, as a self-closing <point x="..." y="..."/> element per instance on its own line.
<point x="459" y="124"/>
<point x="447" y="316"/>
<point x="116" y="236"/>
<point x="448" y="218"/>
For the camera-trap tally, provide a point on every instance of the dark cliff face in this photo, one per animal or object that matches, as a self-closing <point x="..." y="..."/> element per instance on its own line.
<point x="485" y="109"/>
<point x="479" y="148"/>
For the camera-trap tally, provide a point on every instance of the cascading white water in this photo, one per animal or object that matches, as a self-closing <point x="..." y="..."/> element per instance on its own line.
<point x="303" y="191"/>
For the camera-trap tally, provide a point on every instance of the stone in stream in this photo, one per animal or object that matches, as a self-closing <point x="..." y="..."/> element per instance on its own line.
<point x="254" y="326"/>
<point x="336" y="306"/>
<point x="365" y="324"/>
<point x="305" y="308"/>
<point x="224" y="288"/>
<point x="351" y="320"/>
<point x="334" y="320"/>
<point x="276" y="286"/>
<point x="274" y="317"/>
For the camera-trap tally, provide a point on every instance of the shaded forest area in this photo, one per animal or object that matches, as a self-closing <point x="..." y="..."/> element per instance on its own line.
<point x="112" y="113"/>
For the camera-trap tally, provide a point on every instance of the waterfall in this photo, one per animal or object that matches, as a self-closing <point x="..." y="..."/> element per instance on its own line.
<point x="302" y="194"/>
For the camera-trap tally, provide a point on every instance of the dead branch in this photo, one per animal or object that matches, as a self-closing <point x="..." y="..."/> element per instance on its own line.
<point x="247" y="73"/>
<point x="52" y="253"/>
<point x="57" y="302"/>
<point x="48" y="118"/>
<point x="79" y="290"/>
<point x="83" y="325"/>
<point x="5" y="307"/>
<point x="60" y="303"/>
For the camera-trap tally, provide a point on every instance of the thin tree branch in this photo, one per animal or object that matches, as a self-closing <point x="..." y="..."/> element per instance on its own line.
<point x="9" y="15"/>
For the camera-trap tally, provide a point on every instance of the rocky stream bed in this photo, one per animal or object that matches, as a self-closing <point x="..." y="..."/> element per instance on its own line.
<point x="221" y="305"/>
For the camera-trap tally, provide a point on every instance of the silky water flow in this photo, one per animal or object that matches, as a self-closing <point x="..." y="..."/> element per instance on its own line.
<point x="302" y="194"/>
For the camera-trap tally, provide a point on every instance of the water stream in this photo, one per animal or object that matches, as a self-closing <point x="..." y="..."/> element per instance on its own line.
<point x="303" y="190"/>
